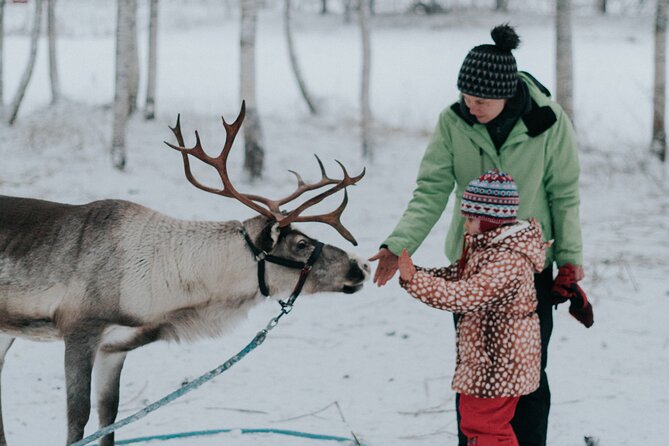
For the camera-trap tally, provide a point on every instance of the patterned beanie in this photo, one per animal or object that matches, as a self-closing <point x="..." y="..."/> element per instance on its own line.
<point x="490" y="71"/>
<point x="492" y="198"/>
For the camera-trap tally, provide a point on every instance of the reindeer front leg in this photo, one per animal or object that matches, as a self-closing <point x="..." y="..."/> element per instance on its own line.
<point x="80" y="347"/>
<point x="5" y="343"/>
<point x="107" y="373"/>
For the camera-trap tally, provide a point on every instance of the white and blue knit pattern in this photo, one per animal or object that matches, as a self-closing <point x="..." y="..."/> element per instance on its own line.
<point x="492" y="197"/>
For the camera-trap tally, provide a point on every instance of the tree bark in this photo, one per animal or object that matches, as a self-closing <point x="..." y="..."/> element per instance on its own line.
<point x="659" y="141"/>
<point x="366" y="115"/>
<point x="502" y="5"/>
<point x="27" y="74"/>
<point x="2" y="46"/>
<point x="150" y="104"/>
<point x="348" y="5"/>
<point x="53" y="63"/>
<point x="122" y="81"/>
<point x="564" y="59"/>
<point x="254" y="153"/>
<point x="133" y="55"/>
<point x="293" y="58"/>
<point x="601" y="6"/>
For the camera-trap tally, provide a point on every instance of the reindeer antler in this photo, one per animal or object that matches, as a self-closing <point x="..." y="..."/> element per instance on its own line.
<point x="263" y="205"/>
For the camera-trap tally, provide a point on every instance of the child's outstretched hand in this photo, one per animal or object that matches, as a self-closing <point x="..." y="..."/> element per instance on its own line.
<point x="407" y="270"/>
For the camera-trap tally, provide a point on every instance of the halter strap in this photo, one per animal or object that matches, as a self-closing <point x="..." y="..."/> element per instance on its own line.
<point x="262" y="256"/>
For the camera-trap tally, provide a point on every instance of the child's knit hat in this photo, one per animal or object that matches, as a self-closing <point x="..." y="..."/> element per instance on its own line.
<point x="492" y="198"/>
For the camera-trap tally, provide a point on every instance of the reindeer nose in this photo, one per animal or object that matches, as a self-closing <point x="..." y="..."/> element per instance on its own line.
<point x="363" y="265"/>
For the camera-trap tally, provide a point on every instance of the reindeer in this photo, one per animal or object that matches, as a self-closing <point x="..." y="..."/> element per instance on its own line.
<point x="110" y="276"/>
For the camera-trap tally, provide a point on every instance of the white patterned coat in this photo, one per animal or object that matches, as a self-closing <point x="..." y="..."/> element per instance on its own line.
<point x="498" y="339"/>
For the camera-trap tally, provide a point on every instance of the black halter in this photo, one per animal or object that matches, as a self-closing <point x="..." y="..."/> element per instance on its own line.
<point x="262" y="257"/>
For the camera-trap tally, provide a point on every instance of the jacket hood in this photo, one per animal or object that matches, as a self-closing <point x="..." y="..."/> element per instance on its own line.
<point x="524" y="237"/>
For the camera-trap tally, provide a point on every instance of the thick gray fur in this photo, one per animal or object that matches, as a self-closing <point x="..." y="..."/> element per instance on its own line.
<point x="110" y="276"/>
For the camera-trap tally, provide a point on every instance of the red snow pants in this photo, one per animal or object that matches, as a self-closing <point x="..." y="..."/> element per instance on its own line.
<point x="487" y="421"/>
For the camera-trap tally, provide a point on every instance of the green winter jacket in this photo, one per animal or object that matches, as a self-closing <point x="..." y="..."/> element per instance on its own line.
<point x="541" y="155"/>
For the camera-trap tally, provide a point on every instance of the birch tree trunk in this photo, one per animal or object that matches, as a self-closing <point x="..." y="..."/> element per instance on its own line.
<point x="122" y="80"/>
<point x="2" y="46"/>
<point x="254" y="153"/>
<point x="659" y="141"/>
<point x="287" y="24"/>
<point x="133" y="55"/>
<point x="347" y="10"/>
<point x="53" y="63"/>
<point x="601" y="6"/>
<point x="27" y="74"/>
<point x="564" y="91"/>
<point x="150" y="104"/>
<point x="366" y="115"/>
<point x="502" y="5"/>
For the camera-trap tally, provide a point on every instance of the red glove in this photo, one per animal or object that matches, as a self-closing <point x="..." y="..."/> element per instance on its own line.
<point x="580" y="308"/>
<point x="566" y="288"/>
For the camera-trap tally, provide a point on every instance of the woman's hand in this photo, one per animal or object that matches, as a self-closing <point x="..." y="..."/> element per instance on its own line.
<point x="387" y="266"/>
<point x="407" y="270"/>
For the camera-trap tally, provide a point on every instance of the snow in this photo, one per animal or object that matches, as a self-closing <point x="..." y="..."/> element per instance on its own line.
<point x="383" y="358"/>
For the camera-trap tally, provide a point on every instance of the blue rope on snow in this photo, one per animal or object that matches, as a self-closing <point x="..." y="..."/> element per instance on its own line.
<point x="203" y="433"/>
<point x="257" y="340"/>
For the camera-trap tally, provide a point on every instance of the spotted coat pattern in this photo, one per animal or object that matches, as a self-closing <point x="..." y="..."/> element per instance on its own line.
<point x="498" y="338"/>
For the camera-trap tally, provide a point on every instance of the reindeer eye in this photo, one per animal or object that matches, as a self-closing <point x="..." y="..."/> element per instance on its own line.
<point x="302" y="244"/>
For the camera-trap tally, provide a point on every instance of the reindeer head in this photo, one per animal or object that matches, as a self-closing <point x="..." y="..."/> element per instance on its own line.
<point x="271" y="236"/>
<point x="334" y="270"/>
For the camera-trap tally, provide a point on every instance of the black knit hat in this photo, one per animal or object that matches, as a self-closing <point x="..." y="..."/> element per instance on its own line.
<point x="490" y="71"/>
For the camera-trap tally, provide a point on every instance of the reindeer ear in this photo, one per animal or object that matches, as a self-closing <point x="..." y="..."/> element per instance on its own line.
<point x="275" y="232"/>
<point x="269" y="237"/>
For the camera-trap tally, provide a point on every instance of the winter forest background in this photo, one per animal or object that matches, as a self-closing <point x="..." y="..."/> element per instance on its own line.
<point x="376" y="363"/>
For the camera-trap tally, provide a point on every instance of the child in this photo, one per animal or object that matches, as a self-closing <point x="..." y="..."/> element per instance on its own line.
<point x="491" y="289"/>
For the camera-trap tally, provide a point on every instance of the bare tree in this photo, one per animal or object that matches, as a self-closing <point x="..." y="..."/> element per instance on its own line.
<point x="324" y="6"/>
<point x="501" y="5"/>
<point x="124" y="43"/>
<point x="366" y="115"/>
<point x="53" y="64"/>
<point x="601" y="6"/>
<point x="659" y="141"/>
<point x="354" y="5"/>
<point x="133" y="77"/>
<point x="150" y="104"/>
<point x="348" y="6"/>
<point x="564" y="91"/>
<point x="27" y="74"/>
<point x="2" y="46"/>
<point x="287" y="24"/>
<point x="254" y="154"/>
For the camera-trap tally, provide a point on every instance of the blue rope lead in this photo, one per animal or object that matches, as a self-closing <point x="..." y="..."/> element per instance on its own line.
<point x="257" y="340"/>
<point x="289" y="433"/>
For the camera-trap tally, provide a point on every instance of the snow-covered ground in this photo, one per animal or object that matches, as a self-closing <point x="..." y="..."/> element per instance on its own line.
<point x="383" y="358"/>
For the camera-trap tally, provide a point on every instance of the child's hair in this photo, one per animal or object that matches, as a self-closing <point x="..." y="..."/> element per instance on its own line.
<point x="492" y="198"/>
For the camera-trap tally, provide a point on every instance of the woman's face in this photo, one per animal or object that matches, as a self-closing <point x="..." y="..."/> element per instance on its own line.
<point x="484" y="110"/>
